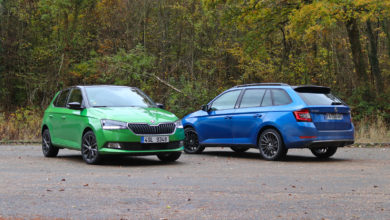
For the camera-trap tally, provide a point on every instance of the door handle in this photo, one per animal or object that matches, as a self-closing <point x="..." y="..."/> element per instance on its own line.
<point x="228" y="117"/>
<point x="63" y="117"/>
<point x="257" y="115"/>
<point x="50" y="116"/>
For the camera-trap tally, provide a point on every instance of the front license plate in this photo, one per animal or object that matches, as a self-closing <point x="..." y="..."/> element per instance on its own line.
<point x="334" y="116"/>
<point x="155" y="139"/>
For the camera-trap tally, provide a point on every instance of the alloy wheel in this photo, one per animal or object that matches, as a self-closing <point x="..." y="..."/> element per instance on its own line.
<point x="89" y="148"/>
<point x="191" y="142"/>
<point x="46" y="143"/>
<point x="48" y="149"/>
<point x="271" y="145"/>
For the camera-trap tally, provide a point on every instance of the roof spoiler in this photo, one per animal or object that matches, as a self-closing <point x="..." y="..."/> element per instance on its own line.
<point x="312" y="89"/>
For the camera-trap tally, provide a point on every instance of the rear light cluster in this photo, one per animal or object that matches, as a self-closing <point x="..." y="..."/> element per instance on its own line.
<point x="302" y="115"/>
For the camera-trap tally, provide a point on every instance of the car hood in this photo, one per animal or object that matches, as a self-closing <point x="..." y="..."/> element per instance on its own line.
<point x="196" y="114"/>
<point x="133" y="114"/>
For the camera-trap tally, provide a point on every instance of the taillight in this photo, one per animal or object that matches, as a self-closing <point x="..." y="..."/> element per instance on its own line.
<point x="302" y="115"/>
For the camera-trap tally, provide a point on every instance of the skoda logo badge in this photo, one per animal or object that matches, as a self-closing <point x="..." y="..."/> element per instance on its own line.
<point x="335" y="109"/>
<point x="152" y="121"/>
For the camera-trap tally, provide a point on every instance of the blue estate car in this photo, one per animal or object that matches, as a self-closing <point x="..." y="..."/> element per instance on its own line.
<point x="272" y="117"/>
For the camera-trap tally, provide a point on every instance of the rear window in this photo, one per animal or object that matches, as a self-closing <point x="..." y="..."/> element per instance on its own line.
<point x="280" y="97"/>
<point x="320" y="98"/>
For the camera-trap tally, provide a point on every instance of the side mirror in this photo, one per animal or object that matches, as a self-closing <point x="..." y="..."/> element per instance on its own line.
<point x="159" y="105"/>
<point x="74" y="105"/>
<point x="205" y="108"/>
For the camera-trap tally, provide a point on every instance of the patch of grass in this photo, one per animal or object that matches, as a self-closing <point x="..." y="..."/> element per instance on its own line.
<point x="23" y="124"/>
<point x="370" y="130"/>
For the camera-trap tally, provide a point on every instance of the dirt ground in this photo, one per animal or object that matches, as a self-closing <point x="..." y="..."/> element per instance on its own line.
<point x="218" y="184"/>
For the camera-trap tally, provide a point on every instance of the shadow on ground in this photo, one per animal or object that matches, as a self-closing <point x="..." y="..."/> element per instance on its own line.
<point x="289" y="158"/>
<point x="122" y="160"/>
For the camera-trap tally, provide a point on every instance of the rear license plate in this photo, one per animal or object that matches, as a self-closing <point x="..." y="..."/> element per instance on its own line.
<point x="155" y="139"/>
<point x="334" y="116"/>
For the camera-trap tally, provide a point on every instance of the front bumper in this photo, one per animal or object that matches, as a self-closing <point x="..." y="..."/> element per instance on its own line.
<point x="131" y="143"/>
<point x="140" y="148"/>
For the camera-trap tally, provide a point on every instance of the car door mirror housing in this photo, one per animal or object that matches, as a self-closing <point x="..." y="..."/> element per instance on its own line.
<point x="159" y="105"/>
<point x="74" y="105"/>
<point x="206" y="108"/>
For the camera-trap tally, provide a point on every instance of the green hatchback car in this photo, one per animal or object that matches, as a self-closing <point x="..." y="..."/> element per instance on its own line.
<point x="103" y="120"/>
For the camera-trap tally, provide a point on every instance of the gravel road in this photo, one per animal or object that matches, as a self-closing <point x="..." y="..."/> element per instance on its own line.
<point x="218" y="184"/>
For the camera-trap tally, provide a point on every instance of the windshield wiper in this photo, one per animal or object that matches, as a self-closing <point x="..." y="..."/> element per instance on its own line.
<point x="99" y="106"/>
<point x="336" y="103"/>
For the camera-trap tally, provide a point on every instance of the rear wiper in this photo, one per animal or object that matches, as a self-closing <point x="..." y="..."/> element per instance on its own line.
<point x="336" y="103"/>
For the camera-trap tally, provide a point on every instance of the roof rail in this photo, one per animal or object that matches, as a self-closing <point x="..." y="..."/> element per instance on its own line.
<point x="263" y="84"/>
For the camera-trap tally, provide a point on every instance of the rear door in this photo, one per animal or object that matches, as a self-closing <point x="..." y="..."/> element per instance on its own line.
<point x="328" y="112"/>
<point x="248" y="116"/>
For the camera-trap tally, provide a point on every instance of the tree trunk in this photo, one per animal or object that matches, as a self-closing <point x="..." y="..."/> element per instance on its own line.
<point x="386" y="28"/>
<point x="373" y="57"/>
<point x="357" y="53"/>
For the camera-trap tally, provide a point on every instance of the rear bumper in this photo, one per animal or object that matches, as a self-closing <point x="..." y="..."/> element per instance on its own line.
<point x="329" y="143"/>
<point x="306" y="135"/>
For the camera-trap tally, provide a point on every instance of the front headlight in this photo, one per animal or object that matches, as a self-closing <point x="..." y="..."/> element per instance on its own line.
<point x="178" y="124"/>
<point x="113" y="125"/>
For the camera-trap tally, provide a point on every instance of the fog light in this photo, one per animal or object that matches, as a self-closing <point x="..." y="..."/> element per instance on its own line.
<point x="114" y="145"/>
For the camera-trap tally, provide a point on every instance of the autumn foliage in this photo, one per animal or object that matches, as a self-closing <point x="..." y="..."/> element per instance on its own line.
<point x="183" y="53"/>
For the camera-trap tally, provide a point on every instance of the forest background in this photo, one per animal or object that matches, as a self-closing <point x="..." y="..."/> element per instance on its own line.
<point x="184" y="53"/>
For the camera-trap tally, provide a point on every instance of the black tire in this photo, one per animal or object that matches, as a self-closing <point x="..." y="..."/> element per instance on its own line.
<point x="191" y="142"/>
<point x="89" y="148"/>
<point x="239" y="149"/>
<point x="271" y="145"/>
<point x="48" y="149"/>
<point x="169" y="156"/>
<point x="324" y="152"/>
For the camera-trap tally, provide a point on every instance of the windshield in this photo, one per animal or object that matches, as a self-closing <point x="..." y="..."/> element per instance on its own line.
<point x="111" y="96"/>
<point x="320" y="98"/>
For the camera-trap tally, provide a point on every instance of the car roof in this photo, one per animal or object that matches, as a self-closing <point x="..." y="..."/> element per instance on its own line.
<point x="300" y="88"/>
<point x="90" y="86"/>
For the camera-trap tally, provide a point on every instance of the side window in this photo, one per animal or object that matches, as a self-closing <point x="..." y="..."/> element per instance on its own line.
<point x="226" y="101"/>
<point x="61" y="100"/>
<point x="280" y="97"/>
<point x="252" y="98"/>
<point x="76" y="96"/>
<point x="267" y="100"/>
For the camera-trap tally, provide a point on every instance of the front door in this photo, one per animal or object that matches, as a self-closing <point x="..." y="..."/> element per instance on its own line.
<point x="216" y="126"/>
<point x="57" y="118"/>
<point x="74" y="121"/>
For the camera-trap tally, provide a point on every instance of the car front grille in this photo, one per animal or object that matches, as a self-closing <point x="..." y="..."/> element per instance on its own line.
<point x="146" y="147"/>
<point x="163" y="128"/>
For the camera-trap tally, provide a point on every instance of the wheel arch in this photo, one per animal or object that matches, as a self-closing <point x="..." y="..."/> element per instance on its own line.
<point x="86" y="129"/>
<point x="189" y="126"/>
<point x="44" y="127"/>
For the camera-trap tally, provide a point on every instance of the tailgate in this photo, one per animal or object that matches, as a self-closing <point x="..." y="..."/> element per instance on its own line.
<point x="331" y="117"/>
